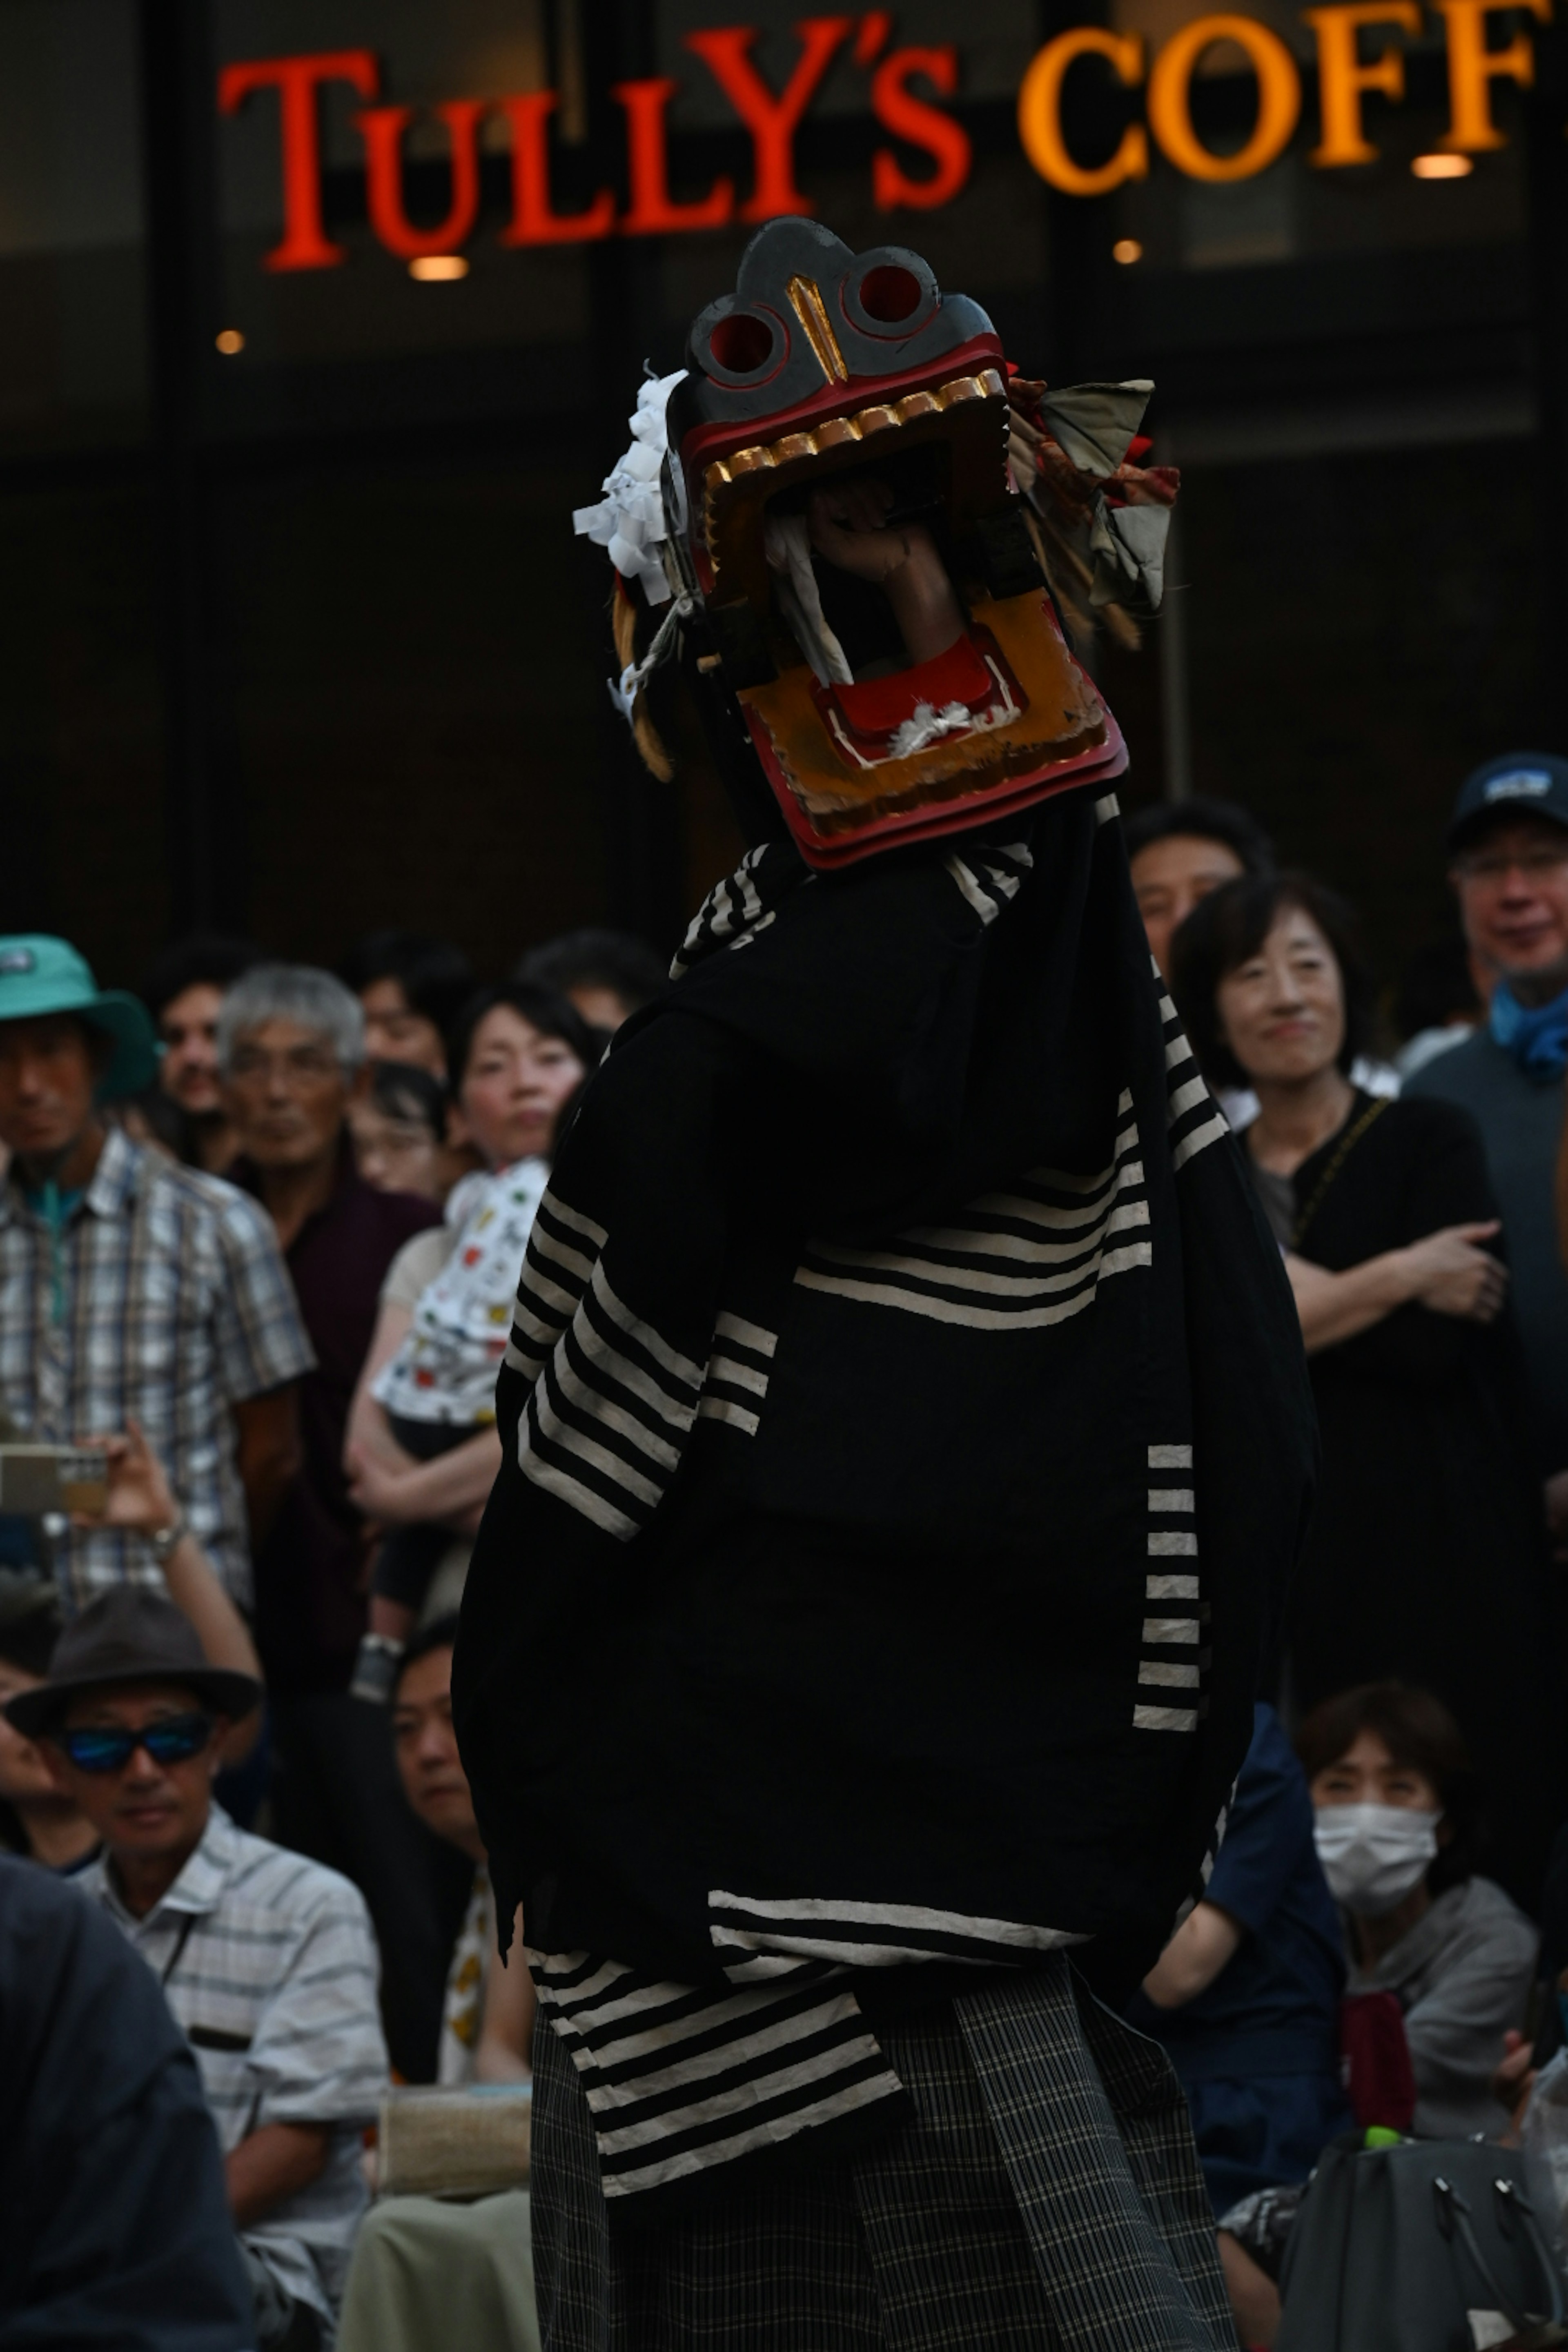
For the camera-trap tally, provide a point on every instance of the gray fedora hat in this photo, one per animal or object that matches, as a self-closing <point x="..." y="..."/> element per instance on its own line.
<point x="129" y="1636"/>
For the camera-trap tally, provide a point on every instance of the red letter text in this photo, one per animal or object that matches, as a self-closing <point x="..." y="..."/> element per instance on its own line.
<point x="383" y="127"/>
<point x="944" y="141"/>
<point x="647" y="167"/>
<point x="771" y="120"/>
<point x="534" y="220"/>
<point x="305" y="244"/>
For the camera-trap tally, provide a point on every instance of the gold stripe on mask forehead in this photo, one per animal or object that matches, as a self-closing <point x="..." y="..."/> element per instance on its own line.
<point x="806" y="300"/>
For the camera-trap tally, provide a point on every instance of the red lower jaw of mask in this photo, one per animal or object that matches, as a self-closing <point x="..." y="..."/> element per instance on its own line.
<point x="1008" y="719"/>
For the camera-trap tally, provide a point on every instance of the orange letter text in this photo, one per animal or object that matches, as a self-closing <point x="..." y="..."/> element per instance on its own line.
<point x="305" y="243"/>
<point x="906" y="117"/>
<point x="1171" y="89"/>
<point x="1342" y="78"/>
<point x="1040" y="112"/>
<point x="1473" y="69"/>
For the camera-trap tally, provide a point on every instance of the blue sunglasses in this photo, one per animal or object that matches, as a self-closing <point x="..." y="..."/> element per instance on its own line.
<point x="173" y="1740"/>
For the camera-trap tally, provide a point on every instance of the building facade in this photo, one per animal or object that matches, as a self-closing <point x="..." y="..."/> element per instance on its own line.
<point x="316" y="322"/>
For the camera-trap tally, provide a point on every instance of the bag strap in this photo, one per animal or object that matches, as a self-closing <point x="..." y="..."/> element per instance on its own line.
<point x="1453" y="2222"/>
<point x="1341" y="1152"/>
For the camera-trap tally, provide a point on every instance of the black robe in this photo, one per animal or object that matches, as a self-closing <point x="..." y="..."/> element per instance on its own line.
<point x="906" y="1440"/>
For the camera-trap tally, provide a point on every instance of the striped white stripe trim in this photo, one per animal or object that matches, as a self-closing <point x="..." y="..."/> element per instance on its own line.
<point x="680" y="1368"/>
<point x="1066" y="1257"/>
<point x="739" y="1416"/>
<point x="603" y="1361"/>
<point x="1187" y="1097"/>
<point x="732" y="914"/>
<point x="545" y="1305"/>
<point x="574" y="1262"/>
<point x="736" y="1384"/>
<point x="985" y="906"/>
<point x="1017" y="1261"/>
<point x="1172" y="1629"/>
<point x="679" y="2080"/>
<point x="871" y="1934"/>
<point x="1155" y="1673"/>
<point x="566" y="1488"/>
<point x="1164" y="1718"/>
<point x="1166" y="1543"/>
<point x="1107" y="807"/>
<point x="552" y="1206"/>
<point x="979" y="1318"/>
<point x="746" y="1335"/>
<point x="588" y="1449"/>
<point x="1210" y="1131"/>
<point x="1004" y="869"/>
<point x="1176" y="1628"/>
<point x="579" y="1391"/>
<point x="603" y="1428"/>
<point x="1190" y="1117"/>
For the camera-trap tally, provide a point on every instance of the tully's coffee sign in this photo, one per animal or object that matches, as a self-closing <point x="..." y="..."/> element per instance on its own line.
<point x="1358" y="53"/>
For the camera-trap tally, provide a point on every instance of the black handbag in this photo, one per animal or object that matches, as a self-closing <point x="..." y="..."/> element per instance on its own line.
<point x="1427" y="2246"/>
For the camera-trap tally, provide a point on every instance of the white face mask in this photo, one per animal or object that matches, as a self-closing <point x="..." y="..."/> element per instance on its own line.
<point x="1372" y="1855"/>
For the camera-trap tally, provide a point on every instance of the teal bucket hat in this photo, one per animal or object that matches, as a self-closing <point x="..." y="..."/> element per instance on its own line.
<point x="40" y="975"/>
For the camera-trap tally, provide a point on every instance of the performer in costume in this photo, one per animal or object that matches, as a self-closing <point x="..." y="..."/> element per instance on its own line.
<point x="906" y="1433"/>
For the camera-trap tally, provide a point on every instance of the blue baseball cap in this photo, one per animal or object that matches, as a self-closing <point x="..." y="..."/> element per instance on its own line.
<point x="40" y="975"/>
<point x="1520" y="783"/>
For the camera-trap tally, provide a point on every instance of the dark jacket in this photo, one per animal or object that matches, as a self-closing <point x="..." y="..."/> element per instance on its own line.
<point x="114" y="2220"/>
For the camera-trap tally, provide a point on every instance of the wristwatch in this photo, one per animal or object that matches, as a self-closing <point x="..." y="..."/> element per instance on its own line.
<point x="163" y="1539"/>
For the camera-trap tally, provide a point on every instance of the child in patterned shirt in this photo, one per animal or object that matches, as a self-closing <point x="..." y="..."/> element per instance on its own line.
<point x="422" y="1450"/>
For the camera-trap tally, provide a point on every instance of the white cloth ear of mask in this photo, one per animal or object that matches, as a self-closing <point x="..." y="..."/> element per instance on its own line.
<point x="629" y="520"/>
<point x="787" y="547"/>
<point x="1375" y="1855"/>
<point x="1095" y="423"/>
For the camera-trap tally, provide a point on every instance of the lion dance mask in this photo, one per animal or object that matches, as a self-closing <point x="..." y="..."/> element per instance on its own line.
<point x="869" y="542"/>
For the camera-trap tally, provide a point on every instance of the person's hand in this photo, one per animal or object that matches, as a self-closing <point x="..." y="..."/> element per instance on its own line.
<point x="1514" y="2080"/>
<point x="847" y="522"/>
<point x="1450" y="1273"/>
<point x="140" y="1496"/>
<point x="844" y="522"/>
<point x="375" y="1487"/>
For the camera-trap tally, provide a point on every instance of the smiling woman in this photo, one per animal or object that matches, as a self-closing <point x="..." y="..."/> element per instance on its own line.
<point x="1426" y="1556"/>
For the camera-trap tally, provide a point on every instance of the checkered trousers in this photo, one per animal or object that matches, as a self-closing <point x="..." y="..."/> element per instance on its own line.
<point x="1046" y="2197"/>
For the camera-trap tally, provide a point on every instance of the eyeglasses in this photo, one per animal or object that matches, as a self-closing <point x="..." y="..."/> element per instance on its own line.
<point x="1535" y="865"/>
<point x="173" y="1740"/>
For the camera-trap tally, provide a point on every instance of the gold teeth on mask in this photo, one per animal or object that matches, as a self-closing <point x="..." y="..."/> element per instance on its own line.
<point x="740" y="469"/>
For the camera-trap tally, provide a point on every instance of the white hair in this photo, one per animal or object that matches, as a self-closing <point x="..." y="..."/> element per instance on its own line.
<point x="292" y="991"/>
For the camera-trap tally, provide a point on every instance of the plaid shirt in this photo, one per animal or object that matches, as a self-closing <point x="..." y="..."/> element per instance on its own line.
<point x="163" y="1296"/>
<point x="269" y="1966"/>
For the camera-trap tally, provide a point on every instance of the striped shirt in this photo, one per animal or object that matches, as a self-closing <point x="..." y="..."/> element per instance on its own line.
<point x="163" y="1295"/>
<point x="269" y="1966"/>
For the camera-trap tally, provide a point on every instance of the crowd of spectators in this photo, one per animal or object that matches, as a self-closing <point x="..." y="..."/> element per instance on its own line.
<point x="260" y="1237"/>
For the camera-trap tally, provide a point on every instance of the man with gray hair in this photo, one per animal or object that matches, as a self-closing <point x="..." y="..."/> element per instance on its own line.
<point x="290" y="1043"/>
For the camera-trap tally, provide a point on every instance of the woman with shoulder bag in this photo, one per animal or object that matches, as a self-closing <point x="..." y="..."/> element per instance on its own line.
<point x="1427" y="1558"/>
